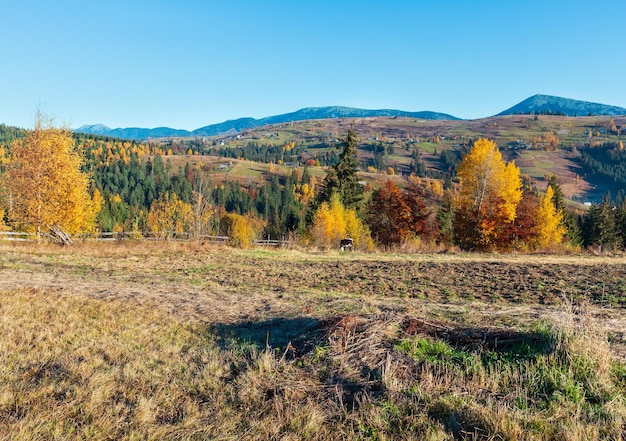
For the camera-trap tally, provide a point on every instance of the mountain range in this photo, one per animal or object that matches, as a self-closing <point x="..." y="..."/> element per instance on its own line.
<point x="537" y="104"/>
<point x="238" y="125"/>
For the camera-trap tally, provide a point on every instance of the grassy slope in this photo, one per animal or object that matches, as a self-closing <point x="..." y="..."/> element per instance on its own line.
<point x="182" y="341"/>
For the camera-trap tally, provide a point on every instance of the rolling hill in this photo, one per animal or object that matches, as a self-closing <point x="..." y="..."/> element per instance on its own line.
<point x="393" y="142"/>
<point x="136" y="133"/>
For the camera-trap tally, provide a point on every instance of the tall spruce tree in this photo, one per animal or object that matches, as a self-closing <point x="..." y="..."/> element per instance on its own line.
<point x="341" y="179"/>
<point x="600" y="226"/>
<point x="350" y="191"/>
<point x="621" y="224"/>
<point x="557" y="194"/>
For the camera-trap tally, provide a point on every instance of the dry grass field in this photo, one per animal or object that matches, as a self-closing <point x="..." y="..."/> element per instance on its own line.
<point x="189" y="341"/>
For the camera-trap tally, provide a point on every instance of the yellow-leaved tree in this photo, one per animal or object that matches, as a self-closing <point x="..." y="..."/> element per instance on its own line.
<point x="169" y="216"/>
<point x="333" y="222"/>
<point x="489" y="194"/>
<point x="44" y="187"/>
<point x="548" y="230"/>
<point x="241" y="230"/>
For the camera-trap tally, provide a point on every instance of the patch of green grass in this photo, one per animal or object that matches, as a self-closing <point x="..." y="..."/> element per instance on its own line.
<point x="433" y="351"/>
<point x="448" y="293"/>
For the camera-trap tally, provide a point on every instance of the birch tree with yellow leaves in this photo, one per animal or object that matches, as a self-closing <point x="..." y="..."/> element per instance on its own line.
<point x="44" y="187"/>
<point x="490" y="190"/>
<point x="169" y="216"/>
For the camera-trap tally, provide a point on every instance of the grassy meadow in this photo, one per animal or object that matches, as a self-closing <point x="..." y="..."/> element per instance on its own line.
<point x="136" y="341"/>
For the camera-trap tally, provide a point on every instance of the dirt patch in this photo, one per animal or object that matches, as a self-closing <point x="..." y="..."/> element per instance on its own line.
<point x="472" y="280"/>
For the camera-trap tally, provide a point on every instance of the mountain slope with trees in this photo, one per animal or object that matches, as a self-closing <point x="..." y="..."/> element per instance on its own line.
<point x="553" y="105"/>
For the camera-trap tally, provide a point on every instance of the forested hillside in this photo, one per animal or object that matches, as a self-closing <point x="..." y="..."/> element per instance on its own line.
<point x="278" y="182"/>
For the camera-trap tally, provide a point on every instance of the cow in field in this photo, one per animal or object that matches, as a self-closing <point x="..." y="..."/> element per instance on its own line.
<point x="346" y="244"/>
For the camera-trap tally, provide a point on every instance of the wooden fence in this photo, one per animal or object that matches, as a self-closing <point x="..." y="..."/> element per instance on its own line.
<point x="120" y="236"/>
<point x="17" y="236"/>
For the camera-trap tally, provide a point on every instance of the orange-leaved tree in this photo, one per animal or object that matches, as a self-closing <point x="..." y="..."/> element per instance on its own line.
<point x="548" y="230"/>
<point x="490" y="189"/>
<point x="389" y="216"/>
<point x="43" y="186"/>
<point x="395" y="215"/>
<point x="413" y="195"/>
<point x="519" y="234"/>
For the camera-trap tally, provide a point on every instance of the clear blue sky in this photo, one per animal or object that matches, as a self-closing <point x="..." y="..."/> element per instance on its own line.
<point x="186" y="64"/>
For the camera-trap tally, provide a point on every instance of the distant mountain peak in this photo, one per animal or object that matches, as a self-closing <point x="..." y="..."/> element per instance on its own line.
<point x="548" y="104"/>
<point x="95" y="129"/>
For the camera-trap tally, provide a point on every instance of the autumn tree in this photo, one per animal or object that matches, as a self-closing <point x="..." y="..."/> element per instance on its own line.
<point x="552" y="140"/>
<point x="548" y="230"/>
<point x="519" y="234"/>
<point x="328" y="225"/>
<point x="389" y="216"/>
<point x="286" y="148"/>
<point x="557" y="193"/>
<point x="570" y="220"/>
<point x="43" y="186"/>
<point x="333" y="222"/>
<point x="169" y="216"/>
<point x="241" y="230"/>
<point x="413" y="195"/>
<point x="437" y="188"/>
<point x="395" y="215"/>
<point x="490" y="190"/>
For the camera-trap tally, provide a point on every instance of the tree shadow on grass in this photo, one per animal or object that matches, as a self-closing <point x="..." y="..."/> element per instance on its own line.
<point x="300" y="334"/>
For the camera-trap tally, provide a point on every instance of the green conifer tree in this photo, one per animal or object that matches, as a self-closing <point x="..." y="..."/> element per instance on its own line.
<point x="341" y="179"/>
<point x="600" y="226"/>
<point x="350" y="191"/>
